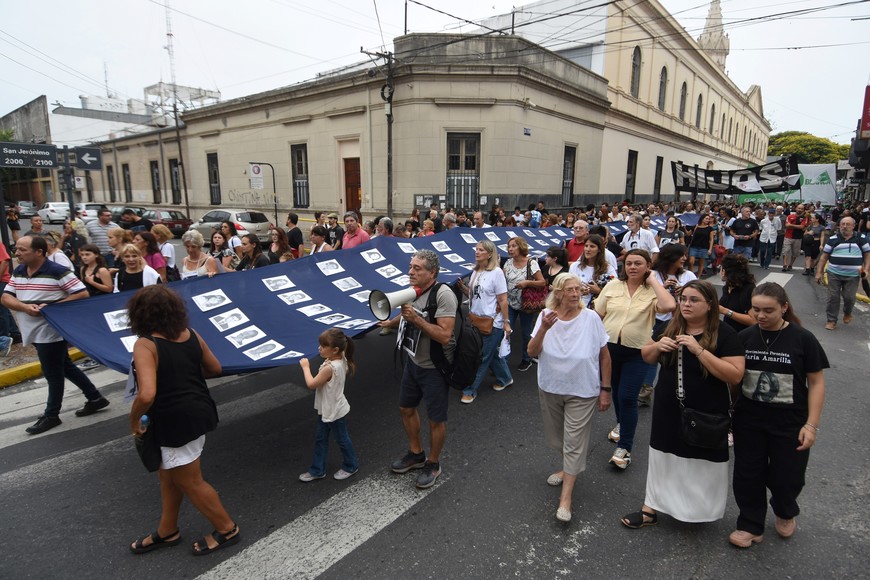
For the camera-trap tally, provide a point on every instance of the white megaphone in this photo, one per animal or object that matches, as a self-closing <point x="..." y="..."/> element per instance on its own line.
<point x="382" y="303"/>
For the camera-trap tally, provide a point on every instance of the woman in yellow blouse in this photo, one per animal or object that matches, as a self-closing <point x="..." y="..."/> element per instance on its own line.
<point x="628" y="308"/>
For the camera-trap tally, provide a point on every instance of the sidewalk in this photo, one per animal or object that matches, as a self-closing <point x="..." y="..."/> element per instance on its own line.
<point x="22" y="364"/>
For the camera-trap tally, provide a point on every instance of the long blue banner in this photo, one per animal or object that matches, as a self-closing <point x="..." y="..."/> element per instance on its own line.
<point x="272" y="316"/>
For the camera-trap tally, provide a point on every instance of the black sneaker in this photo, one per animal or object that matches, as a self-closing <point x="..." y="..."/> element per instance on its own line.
<point x="430" y="473"/>
<point x="524" y="366"/>
<point x="43" y="424"/>
<point x="92" y="407"/>
<point x="408" y="462"/>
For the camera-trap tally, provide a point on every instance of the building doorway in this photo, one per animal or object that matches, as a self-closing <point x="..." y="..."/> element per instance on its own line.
<point x="352" y="185"/>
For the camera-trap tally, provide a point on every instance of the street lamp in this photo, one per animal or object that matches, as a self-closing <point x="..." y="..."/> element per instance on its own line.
<point x="274" y="188"/>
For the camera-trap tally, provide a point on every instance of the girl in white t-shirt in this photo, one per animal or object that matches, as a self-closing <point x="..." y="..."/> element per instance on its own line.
<point x="332" y="406"/>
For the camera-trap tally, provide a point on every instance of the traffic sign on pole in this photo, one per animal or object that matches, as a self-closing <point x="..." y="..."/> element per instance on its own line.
<point x="89" y="158"/>
<point x="28" y="155"/>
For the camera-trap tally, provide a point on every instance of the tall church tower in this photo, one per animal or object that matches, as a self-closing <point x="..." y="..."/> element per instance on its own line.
<point x="713" y="40"/>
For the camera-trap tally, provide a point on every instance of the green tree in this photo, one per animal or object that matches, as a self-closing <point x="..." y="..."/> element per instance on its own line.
<point x="6" y="134"/>
<point x="809" y="147"/>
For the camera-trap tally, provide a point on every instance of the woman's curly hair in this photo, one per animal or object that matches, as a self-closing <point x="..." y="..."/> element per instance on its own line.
<point x="157" y="309"/>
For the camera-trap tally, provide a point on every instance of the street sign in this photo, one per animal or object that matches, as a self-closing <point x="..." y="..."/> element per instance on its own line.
<point x="256" y="176"/>
<point x="28" y="155"/>
<point x="89" y="158"/>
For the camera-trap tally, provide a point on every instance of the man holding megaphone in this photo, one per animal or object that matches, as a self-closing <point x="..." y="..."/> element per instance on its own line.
<point x="421" y="380"/>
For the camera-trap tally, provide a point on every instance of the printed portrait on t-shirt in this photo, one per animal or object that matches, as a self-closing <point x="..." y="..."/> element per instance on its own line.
<point x="769" y="387"/>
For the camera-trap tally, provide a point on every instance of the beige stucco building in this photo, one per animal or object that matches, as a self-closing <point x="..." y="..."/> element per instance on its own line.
<point x="477" y="119"/>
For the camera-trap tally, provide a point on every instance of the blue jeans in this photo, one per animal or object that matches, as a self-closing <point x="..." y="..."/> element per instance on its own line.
<point x="321" y="447"/>
<point x="56" y="365"/>
<point x="743" y="250"/>
<point x="626" y="378"/>
<point x="491" y="360"/>
<point x="528" y="322"/>
<point x="765" y="253"/>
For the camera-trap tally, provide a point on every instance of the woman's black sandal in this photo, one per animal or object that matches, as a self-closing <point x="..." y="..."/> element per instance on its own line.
<point x="222" y="541"/>
<point x="156" y="542"/>
<point x="637" y="520"/>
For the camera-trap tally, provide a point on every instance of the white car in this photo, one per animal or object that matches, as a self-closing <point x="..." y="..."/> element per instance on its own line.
<point x="54" y="212"/>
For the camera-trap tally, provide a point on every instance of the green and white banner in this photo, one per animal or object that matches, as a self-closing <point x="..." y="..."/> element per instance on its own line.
<point x="817" y="183"/>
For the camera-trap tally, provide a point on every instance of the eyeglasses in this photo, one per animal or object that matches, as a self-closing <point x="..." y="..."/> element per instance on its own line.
<point x="691" y="300"/>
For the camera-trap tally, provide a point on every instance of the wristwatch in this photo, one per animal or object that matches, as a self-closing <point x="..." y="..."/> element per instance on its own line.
<point x="729" y="314"/>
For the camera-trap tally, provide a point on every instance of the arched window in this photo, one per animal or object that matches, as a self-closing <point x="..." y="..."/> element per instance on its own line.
<point x="744" y="138"/>
<point x="663" y="87"/>
<point x="635" y="72"/>
<point x="736" y="133"/>
<point x="712" y="117"/>
<point x="730" y="123"/>
<point x="722" y="127"/>
<point x="683" y="93"/>
<point x="699" y="111"/>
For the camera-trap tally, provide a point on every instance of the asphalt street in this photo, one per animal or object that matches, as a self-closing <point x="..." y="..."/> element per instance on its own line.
<point x="72" y="500"/>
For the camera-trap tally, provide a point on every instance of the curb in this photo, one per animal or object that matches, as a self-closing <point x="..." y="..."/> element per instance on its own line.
<point x="13" y="376"/>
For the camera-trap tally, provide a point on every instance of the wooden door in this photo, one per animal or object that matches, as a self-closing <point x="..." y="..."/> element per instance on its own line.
<point x="352" y="185"/>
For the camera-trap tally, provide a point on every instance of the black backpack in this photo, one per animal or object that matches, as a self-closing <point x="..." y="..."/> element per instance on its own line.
<point x="469" y="346"/>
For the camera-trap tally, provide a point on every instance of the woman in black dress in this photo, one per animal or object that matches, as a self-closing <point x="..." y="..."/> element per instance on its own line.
<point x="689" y="483"/>
<point x="736" y="297"/>
<point x="556" y="263"/>
<point x="171" y="363"/>
<point x="777" y="417"/>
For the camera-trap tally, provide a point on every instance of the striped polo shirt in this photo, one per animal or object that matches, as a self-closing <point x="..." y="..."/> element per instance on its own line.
<point x="50" y="283"/>
<point x="845" y="257"/>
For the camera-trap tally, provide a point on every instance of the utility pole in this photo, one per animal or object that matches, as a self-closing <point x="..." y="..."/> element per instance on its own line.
<point x="387" y="96"/>
<point x="170" y="50"/>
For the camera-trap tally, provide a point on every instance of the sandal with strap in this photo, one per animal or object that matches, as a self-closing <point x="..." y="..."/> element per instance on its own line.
<point x="638" y="520"/>
<point x="223" y="540"/>
<point x="156" y="542"/>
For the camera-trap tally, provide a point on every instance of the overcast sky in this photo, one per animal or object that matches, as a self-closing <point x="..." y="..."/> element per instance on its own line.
<point x="812" y="68"/>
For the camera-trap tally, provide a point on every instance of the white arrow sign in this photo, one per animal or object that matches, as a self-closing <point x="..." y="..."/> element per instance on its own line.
<point x="87" y="158"/>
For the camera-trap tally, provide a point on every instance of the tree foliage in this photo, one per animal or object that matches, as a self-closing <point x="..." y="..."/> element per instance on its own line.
<point x="809" y="148"/>
<point x="6" y="134"/>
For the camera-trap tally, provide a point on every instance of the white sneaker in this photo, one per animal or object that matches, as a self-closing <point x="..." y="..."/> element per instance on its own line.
<point x="614" y="434"/>
<point x="307" y="477"/>
<point x="341" y="474"/>
<point x="621" y="458"/>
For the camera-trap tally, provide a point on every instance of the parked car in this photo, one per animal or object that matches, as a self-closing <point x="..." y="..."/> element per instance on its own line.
<point x="54" y="212"/>
<point x="26" y="209"/>
<point x="117" y="210"/>
<point x="246" y="221"/>
<point x="176" y="221"/>
<point x="87" y="212"/>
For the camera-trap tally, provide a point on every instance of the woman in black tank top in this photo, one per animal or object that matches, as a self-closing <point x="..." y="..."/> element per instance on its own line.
<point x="171" y="362"/>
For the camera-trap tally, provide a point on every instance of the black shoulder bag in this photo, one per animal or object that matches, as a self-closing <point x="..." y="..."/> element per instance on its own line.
<point x="699" y="428"/>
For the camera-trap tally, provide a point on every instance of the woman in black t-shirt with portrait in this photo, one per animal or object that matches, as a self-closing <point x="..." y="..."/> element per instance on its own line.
<point x="777" y="417"/>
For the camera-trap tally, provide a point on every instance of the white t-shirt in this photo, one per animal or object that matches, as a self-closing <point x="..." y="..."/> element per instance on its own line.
<point x="168" y="251"/>
<point x="485" y="287"/>
<point x="60" y="258"/>
<point x="568" y="364"/>
<point x="587" y="276"/>
<point x="643" y="239"/>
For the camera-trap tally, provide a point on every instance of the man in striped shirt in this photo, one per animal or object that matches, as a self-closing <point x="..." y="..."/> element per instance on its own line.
<point x="99" y="232"/>
<point x="35" y="283"/>
<point x="847" y="254"/>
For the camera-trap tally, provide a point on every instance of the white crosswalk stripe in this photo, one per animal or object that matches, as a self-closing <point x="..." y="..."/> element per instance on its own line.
<point x="310" y="544"/>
